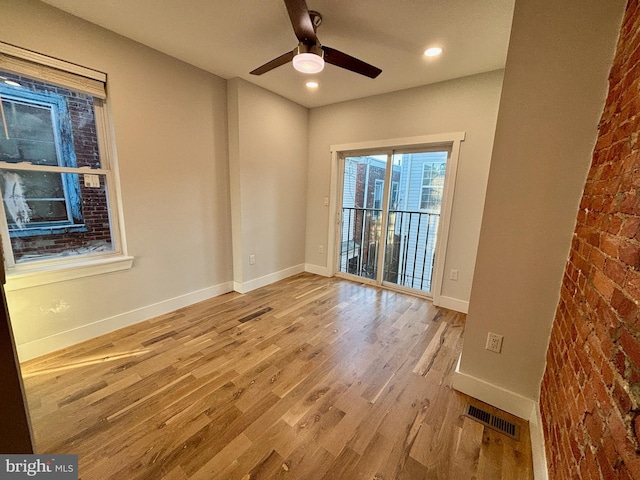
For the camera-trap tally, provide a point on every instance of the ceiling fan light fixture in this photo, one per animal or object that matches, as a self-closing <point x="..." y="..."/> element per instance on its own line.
<point x="308" y="63"/>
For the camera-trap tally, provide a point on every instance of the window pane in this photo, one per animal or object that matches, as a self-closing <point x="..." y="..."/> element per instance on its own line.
<point x="33" y="198"/>
<point x="431" y="198"/>
<point x="48" y="210"/>
<point x="412" y="226"/>
<point x="432" y="185"/>
<point x="362" y="192"/>
<point x="28" y="135"/>
<point x="52" y="125"/>
<point x="40" y="184"/>
<point x="49" y="239"/>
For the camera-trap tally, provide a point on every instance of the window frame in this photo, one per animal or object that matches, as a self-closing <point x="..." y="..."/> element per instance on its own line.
<point x="56" y="269"/>
<point x="65" y="156"/>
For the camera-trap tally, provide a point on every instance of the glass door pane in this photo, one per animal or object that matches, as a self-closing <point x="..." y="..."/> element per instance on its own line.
<point x="413" y="218"/>
<point x="363" y="188"/>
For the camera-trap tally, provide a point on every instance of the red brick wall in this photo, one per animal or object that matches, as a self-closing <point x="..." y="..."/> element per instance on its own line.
<point x="590" y="398"/>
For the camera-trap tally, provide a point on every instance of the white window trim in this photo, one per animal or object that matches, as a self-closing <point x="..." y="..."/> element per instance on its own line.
<point x="32" y="274"/>
<point x="45" y="275"/>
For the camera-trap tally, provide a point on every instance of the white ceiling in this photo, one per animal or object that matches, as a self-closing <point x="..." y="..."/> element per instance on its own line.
<point x="232" y="37"/>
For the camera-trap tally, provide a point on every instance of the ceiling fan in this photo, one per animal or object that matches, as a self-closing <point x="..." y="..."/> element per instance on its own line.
<point x="309" y="56"/>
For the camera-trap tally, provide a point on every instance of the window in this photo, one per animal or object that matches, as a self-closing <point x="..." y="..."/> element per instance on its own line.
<point x="395" y="189"/>
<point x="37" y="129"/>
<point x="59" y="201"/>
<point x="377" y="194"/>
<point x="432" y="186"/>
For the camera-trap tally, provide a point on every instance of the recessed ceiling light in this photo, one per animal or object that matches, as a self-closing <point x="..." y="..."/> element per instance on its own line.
<point x="433" y="52"/>
<point x="312" y="84"/>
<point x="12" y="83"/>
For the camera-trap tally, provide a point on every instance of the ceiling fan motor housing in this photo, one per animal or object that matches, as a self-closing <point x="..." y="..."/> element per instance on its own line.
<point x="316" y="18"/>
<point x="315" y="49"/>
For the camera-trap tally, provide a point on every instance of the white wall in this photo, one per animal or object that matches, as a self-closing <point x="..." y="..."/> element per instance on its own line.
<point x="554" y="90"/>
<point x="171" y="133"/>
<point x="268" y="163"/>
<point x="469" y="104"/>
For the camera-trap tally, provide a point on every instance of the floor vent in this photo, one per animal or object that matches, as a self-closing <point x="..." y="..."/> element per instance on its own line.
<point x="255" y="314"/>
<point x="494" y="422"/>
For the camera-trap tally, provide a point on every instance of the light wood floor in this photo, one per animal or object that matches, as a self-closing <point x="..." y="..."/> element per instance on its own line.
<point x="309" y="378"/>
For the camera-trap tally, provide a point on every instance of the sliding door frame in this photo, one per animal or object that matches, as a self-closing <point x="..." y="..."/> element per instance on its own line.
<point x="449" y="141"/>
<point x="342" y="156"/>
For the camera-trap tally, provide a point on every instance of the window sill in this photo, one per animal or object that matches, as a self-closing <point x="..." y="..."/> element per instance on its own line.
<point x="37" y="276"/>
<point x="52" y="230"/>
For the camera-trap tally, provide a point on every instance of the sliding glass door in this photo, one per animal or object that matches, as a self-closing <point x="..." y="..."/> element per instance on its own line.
<point x="363" y="187"/>
<point x="390" y="213"/>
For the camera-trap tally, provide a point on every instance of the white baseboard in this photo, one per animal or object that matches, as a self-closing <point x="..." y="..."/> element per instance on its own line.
<point x="523" y="407"/>
<point x="317" y="270"/>
<point x="538" y="452"/>
<point x="246" y="287"/>
<point x="499" y="397"/>
<point x="58" y="341"/>
<point x="452" y="304"/>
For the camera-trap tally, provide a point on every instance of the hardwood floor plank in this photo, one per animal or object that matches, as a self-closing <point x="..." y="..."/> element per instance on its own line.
<point x="175" y="474"/>
<point x="159" y="391"/>
<point x="490" y="455"/>
<point x="266" y="468"/>
<point x="372" y="460"/>
<point x="342" y="465"/>
<point x="214" y="468"/>
<point x="468" y="448"/>
<point x="425" y="362"/>
<point x="309" y="462"/>
<point x="356" y="413"/>
<point x="309" y="378"/>
<point x="113" y="388"/>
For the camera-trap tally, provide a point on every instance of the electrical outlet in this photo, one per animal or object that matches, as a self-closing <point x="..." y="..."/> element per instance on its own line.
<point x="320" y="248"/>
<point x="494" y="342"/>
<point x="252" y="259"/>
<point x="453" y="274"/>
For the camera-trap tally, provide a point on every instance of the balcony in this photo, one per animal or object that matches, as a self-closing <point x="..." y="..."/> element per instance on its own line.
<point x="409" y="247"/>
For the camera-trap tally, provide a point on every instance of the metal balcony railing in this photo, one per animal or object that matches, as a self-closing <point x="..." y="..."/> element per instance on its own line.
<point x="409" y="247"/>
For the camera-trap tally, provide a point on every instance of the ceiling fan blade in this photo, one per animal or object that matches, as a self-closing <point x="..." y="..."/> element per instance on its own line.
<point x="276" y="62"/>
<point x="301" y="21"/>
<point x="339" y="59"/>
